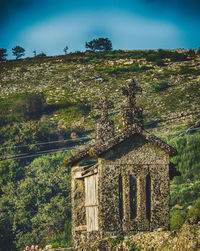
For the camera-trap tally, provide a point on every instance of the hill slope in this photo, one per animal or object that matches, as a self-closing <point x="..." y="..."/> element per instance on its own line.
<point x="46" y="106"/>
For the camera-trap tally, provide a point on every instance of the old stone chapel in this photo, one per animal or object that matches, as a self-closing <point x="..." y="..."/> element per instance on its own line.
<point x="120" y="182"/>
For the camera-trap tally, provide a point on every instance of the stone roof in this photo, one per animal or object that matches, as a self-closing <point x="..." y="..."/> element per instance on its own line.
<point x="98" y="147"/>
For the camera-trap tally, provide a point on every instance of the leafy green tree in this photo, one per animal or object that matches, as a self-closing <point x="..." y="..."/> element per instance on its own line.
<point x="3" y="54"/>
<point x="36" y="208"/>
<point x="100" y="44"/>
<point x="18" y="51"/>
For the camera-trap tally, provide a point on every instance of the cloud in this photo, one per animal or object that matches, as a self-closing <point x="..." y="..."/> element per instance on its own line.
<point x="126" y="31"/>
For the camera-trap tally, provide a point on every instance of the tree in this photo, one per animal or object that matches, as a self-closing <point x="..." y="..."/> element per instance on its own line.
<point x="3" y="54"/>
<point x="65" y="49"/>
<point x="18" y="51"/>
<point x="100" y="44"/>
<point x="34" y="53"/>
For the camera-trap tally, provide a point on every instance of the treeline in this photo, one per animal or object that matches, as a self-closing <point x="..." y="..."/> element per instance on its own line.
<point x="100" y="44"/>
<point x="105" y="45"/>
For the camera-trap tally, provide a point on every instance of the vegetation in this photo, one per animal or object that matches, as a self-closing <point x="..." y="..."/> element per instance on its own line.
<point x="160" y="86"/>
<point x="40" y="55"/>
<point x="45" y="107"/>
<point x="65" y="49"/>
<point x="3" y="54"/>
<point x="18" y="51"/>
<point x="100" y="44"/>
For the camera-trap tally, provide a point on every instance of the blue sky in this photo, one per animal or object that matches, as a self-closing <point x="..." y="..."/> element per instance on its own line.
<point x="50" y="25"/>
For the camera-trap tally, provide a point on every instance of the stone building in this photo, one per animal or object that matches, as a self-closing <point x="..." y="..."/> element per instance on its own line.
<point x="120" y="182"/>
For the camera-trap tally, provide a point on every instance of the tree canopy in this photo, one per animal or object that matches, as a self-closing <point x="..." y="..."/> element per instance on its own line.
<point x="18" y="51"/>
<point x="100" y="44"/>
<point x="3" y="54"/>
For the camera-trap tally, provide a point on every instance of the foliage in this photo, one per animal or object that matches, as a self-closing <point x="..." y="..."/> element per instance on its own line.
<point x="21" y="106"/>
<point x="175" y="56"/>
<point x="195" y="210"/>
<point x="28" y="105"/>
<point x="40" y="55"/>
<point x="189" y="70"/>
<point x="188" y="158"/>
<point x="117" y="70"/>
<point x="100" y="44"/>
<point x="160" y="86"/>
<point x="63" y="238"/>
<point x="36" y="207"/>
<point x="176" y="221"/>
<point x="18" y="51"/>
<point x="191" y="53"/>
<point x="3" y="54"/>
<point x="184" y="194"/>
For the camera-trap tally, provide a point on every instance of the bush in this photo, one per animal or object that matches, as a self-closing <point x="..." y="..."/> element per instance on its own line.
<point x="195" y="210"/>
<point x="120" y="69"/>
<point x="28" y="105"/>
<point x="176" y="220"/>
<point x="160" y="86"/>
<point x="176" y="57"/>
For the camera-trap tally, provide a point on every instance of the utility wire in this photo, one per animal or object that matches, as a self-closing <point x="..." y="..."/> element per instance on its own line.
<point x="52" y="151"/>
<point x="25" y="154"/>
<point x="82" y="138"/>
<point x="46" y="143"/>
<point x="38" y="154"/>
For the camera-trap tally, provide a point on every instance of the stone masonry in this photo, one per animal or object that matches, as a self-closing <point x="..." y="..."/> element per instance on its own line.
<point x="120" y="182"/>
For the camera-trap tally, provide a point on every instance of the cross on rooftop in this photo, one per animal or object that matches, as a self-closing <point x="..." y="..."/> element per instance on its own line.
<point x="130" y="91"/>
<point x="104" y="105"/>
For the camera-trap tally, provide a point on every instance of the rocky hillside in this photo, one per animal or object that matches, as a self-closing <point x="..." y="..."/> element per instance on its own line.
<point x="170" y="81"/>
<point x="46" y="109"/>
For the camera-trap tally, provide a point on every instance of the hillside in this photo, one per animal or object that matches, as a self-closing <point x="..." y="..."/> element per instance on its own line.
<point x="46" y="106"/>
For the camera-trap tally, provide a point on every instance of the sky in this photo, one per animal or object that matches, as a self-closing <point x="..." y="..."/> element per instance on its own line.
<point x="50" y="25"/>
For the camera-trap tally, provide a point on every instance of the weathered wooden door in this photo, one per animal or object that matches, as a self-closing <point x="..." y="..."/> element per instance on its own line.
<point x="91" y="202"/>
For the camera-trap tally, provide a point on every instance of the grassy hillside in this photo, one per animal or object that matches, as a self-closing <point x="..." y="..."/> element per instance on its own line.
<point x="51" y="99"/>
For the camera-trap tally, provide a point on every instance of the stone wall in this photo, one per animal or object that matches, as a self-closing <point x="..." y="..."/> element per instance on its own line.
<point x="141" y="160"/>
<point x="144" y="171"/>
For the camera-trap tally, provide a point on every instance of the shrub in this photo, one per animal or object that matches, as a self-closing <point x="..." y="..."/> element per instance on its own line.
<point x="160" y="86"/>
<point x="28" y="105"/>
<point x="176" y="56"/>
<point x="40" y="55"/>
<point x="176" y="220"/>
<point x="195" y="210"/>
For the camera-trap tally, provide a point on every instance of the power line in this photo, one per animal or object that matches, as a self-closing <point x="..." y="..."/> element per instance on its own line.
<point x="52" y="151"/>
<point x="38" y="154"/>
<point x="46" y="143"/>
<point x="82" y="138"/>
<point x="25" y="154"/>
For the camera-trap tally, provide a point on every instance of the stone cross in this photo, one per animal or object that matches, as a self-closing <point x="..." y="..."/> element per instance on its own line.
<point x="130" y="91"/>
<point x="104" y="105"/>
<point x="131" y="115"/>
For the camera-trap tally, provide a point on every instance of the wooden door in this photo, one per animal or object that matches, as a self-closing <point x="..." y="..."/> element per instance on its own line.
<point x="91" y="202"/>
